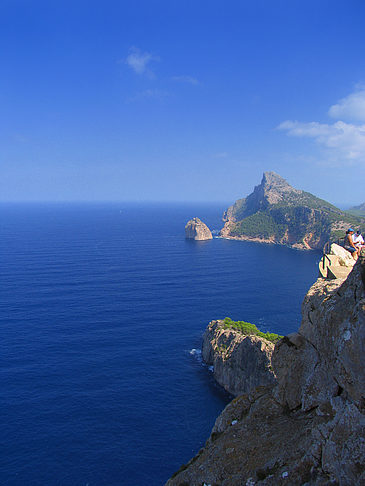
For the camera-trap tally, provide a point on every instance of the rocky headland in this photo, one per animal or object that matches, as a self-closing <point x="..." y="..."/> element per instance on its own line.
<point x="307" y="427"/>
<point x="195" y="229"/>
<point x="276" y="212"/>
<point x="241" y="358"/>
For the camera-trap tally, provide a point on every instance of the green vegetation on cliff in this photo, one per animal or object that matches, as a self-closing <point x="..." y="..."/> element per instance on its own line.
<point x="260" y="224"/>
<point x="297" y="221"/>
<point x="249" y="329"/>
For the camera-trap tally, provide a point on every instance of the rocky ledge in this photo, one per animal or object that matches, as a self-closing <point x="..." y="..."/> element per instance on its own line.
<point x="309" y="427"/>
<point x="195" y="229"/>
<point x="241" y="360"/>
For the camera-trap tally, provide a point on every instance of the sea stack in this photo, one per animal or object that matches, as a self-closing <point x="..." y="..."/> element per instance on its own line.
<point x="195" y="229"/>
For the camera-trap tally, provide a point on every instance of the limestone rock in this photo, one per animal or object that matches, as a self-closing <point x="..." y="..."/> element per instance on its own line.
<point x="267" y="446"/>
<point x="344" y="257"/>
<point x="240" y="362"/>
<point x="195" y="229"/>
<point x="333" y="357"/>
<point x="309" y="428"/>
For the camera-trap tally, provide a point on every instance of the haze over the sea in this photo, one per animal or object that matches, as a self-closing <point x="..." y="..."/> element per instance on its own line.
<point x="185" y="101"/>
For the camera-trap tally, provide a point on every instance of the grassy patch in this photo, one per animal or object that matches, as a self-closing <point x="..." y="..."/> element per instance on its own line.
<point x="250" y="329"/>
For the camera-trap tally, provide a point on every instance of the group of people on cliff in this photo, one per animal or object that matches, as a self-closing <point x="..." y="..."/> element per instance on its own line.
<point x="354" y="242"/>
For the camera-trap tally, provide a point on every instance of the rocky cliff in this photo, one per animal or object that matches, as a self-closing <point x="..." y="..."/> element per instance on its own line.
<point x="195" y="229"/>
<point x="309" y="428"/>
<point x="241" y="360"/>
<point x="276" y="212"/>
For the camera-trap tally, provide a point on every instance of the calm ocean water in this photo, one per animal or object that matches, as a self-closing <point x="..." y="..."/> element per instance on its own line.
<point x="100" y="309"/>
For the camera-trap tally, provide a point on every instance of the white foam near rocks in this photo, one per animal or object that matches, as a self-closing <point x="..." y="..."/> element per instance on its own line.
<point x="196" y="354"/>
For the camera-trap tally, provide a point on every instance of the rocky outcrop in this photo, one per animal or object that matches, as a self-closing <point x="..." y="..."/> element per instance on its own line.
<point x="337" y="263"/>
<point x="276" y="212"/>
<point x="195" y="229"/>
<point x="240" y="362"/>
<point x="345" y="258"/>
<point x="309" y="428"/>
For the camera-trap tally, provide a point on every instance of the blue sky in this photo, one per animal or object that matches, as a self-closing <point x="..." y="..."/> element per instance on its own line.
<point x="180" y="100"/>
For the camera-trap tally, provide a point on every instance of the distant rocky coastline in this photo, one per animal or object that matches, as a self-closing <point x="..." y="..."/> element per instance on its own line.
<point x="276" y="212"/>
<point x="307" y="427"/>
<point x="358" y="210"/>
<point x="195" y="229"/>
<point x="361" y="207"/>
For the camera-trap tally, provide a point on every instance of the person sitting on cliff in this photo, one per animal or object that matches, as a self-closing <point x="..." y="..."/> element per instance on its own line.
<point x="358" y="240"/>
<point x="349" y="244"/>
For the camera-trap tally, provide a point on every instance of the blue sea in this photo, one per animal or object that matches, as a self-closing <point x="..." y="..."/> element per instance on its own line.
<point x="102" y="309"/>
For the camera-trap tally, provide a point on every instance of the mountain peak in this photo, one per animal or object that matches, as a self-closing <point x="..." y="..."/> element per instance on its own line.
<point x="273" y="188"/>
<point x="272" y="176"/>
<point x="273" y="181"/>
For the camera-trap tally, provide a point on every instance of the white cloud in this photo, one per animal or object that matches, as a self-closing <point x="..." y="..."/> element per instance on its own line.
<point x="341" y="140"/>
<point x="186" y="79"/>
<point x="351" y="108"/>
<point x="344" y="140"/>
<point x="138" y="61"/>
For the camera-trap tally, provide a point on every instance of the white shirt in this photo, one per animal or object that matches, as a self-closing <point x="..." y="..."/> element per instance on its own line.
<point x="357" y="239"/>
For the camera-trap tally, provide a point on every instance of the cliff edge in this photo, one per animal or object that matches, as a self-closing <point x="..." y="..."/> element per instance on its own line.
<point x="309" y="428"/>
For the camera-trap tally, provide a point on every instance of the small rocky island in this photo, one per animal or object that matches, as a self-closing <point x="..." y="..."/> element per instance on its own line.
<point x="307" y="425"/>
<point x="195" y="229"/>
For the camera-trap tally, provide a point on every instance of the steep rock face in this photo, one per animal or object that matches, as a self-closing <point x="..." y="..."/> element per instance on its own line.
<point x="276" y="212"/>
<point x="309" y="428"/>
<point x="331" y="360"/>
<point x="195" y="229"/>
<point x="240" y="362"/>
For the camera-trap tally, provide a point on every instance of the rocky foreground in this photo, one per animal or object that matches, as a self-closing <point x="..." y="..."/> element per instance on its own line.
<point x="309" y="427"/>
